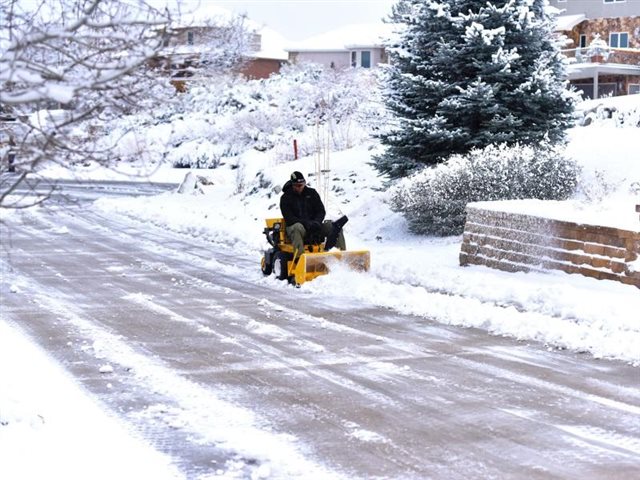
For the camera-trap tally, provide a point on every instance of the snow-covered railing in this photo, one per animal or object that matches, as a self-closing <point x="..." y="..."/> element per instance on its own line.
<point x="515" y="242"/>
<point x="628" y="56"/>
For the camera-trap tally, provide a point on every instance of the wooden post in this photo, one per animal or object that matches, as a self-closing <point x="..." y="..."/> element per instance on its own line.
<point x="295" y="149"/>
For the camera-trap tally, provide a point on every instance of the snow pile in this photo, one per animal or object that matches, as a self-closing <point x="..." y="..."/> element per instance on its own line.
<point x="608" y="153"/>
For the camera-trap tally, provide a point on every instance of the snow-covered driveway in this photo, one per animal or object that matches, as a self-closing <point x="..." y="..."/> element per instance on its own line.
<point x="235" y="375"/>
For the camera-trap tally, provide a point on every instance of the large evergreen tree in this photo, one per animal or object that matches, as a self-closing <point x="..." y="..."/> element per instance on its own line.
<point x="470" y="73"/>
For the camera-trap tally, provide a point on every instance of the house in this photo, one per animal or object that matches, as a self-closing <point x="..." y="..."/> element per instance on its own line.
<point x="358" y="45"/>
<point x="603" y="45"/>
<point x="186" y="50"/>
<point x="267" y="57"/>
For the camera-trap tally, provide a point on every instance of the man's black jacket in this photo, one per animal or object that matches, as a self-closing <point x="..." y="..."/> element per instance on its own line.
<point x="304" y="208"/>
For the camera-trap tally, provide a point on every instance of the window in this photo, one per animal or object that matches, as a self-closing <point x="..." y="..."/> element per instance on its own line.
<point x="365" y="59"/>
<point x="583" y="41"/>
<point x="190" y="38"/>
<point x="614" y="1"/>
<point x="619" y="40"/>
<point x="634" y="88"/>
<point x="361" y="59"/>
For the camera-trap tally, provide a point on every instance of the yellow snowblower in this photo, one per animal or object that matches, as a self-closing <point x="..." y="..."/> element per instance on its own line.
<point x="316" y="259"/>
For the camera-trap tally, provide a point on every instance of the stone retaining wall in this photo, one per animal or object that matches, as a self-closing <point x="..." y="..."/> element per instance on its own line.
<point x="516" y="242"/>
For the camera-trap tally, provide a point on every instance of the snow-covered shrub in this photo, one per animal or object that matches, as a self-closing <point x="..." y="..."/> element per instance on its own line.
<point x="433" y="200"/>
<point x="618" y="117"/>
<point x="196" y="154"/>
<point x="599" y="187"/>
<point x="237" y="115"/>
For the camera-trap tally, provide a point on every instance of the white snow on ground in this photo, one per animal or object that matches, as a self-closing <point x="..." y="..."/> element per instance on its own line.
<point x="50" y="428"/>
<point x="45" y="416"/>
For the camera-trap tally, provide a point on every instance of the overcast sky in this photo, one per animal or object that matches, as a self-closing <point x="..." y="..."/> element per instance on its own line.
<point x="300" y="19"/>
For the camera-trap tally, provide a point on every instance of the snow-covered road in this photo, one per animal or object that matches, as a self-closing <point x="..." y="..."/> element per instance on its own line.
<point x="233" y="374"/>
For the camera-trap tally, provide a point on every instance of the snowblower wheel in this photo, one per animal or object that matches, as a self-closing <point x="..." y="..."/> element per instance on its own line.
<point x="266" y="267"/>
<point x="280" y="265"/>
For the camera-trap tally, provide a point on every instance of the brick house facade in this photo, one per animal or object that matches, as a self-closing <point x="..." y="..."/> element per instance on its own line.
<point x="182" y="57"/>
<point x="617" y="24"/>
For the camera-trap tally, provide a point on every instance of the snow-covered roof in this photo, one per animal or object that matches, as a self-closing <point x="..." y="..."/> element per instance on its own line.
<point x="364" y="35"/>
<point x="565" y="23"/>
<point x="272" y="45"/>
<point x="202" y="16"/>
<point x="271" y="42"/>
<point x="589" y="70"/>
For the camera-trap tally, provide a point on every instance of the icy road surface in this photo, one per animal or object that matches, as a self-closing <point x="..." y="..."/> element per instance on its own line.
<point x="233" y="375"/>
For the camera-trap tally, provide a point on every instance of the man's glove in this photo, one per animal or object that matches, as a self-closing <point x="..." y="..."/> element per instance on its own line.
<point x="314" y="226"/>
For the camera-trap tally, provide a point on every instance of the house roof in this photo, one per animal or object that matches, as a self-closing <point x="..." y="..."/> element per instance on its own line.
<point x="565" y="23"/>
<point x="206" y="15"/>
<point x="202" y="16"/>
<point x="272" y="45"/>
<point x="589" y="70"/>
<point x="364" y="35"/>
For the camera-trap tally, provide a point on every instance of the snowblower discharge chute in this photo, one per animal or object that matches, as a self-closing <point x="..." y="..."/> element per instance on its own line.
<point x="316" y="259"/>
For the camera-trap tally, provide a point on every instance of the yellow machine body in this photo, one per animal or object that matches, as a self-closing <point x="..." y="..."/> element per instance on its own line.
<point x="315" y="261"/>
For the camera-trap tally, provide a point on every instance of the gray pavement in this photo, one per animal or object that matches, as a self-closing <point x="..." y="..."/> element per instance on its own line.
<point x="366" y="393"/>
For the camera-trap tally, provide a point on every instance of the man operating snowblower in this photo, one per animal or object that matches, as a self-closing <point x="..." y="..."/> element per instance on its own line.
<point x="303" y="213"/>
<point x="302" y="254"/>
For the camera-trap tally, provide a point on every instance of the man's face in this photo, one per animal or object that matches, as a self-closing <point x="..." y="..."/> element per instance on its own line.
<point x="298" y="187"/>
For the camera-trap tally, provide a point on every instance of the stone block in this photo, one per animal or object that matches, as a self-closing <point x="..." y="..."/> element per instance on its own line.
<point x="600" y="262"/>
<point x="615" y="252"/>
<point x="594" y="248"/>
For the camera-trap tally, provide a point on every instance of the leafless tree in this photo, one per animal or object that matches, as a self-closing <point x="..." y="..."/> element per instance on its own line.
<point x="69" y="62"/>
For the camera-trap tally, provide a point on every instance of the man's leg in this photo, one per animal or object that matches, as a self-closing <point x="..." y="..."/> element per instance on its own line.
<point x="296" y="233"/>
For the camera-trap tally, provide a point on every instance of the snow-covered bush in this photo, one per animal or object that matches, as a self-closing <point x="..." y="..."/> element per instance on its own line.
<point x="229" y="115"/>
<point x="196" y="154"/>
<point x="308" y="104"/>
<point x="433" y="200"/>
<point x="315" y="107"/>
<point x="610" y="115"/>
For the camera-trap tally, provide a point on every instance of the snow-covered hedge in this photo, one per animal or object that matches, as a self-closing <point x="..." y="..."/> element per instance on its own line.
<point x="223" y="118"/>
<point x="610" y="116"/>
<point x="434" y="199"/>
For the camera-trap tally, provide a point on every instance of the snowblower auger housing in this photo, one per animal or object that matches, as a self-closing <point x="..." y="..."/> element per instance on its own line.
<point x="315" y="261"/>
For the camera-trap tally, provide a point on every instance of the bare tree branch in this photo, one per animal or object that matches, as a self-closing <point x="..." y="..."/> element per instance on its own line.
<point x="65" y="62"/>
